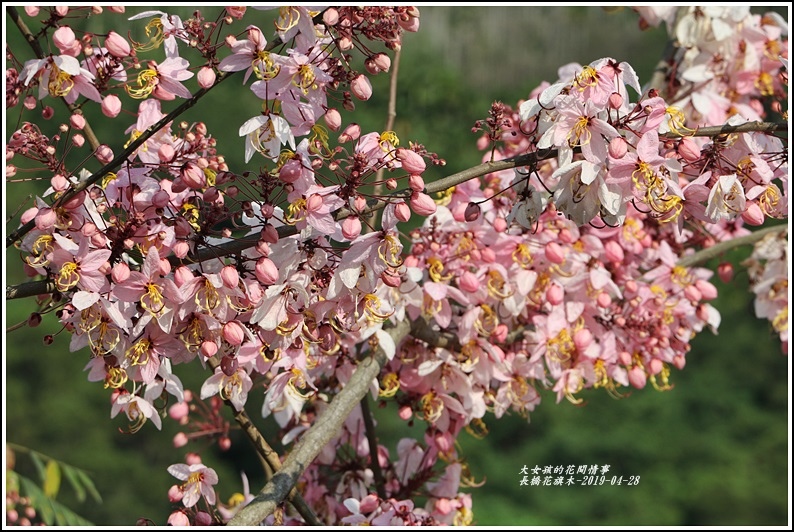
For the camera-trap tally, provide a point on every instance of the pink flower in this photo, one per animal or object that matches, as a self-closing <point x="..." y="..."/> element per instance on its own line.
<point x="199" y="480"/>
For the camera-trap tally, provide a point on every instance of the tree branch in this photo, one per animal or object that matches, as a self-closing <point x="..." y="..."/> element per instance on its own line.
<point x="705" y="255"/>
<point x="372" y="440"/>
<point x="314" y="439"/>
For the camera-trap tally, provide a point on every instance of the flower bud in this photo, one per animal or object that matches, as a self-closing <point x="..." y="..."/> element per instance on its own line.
<point x="582" y="339"/>
<point x="117" y="45"/>
<point x="555" y="294"/>
<point x="66" y="42"/>
<point x="104" y="154"/>
<point x="411" y="162"/>
<point x="401" y="211"/>
<point x="603" y="300"/>
<point x="77" y="121"/>
<point x="500" y="224"/>
<point x="208" y="348"/>
<point x="351" y="132"/>
<point x="472" y="212"/>
<point x="555" y="253"/>
<point x="47" y="112"/>
<point x="468" y="282"/>
<point x="175" y="495"/>
<point x="416" y="182"/>
<point x="707" y="290"/>
<point x="351" y="227"/>
<point x="177" y="411"/>
<point x="181" y="248"/>
<point x="182" y="275"/>
<point x="613" y="251"/>
<point x="229" y="365"/>
<point x="688" y="149"/>
<point x="233" y="332"/>
<point x="637" y="377"/>
<point x="330" y="16"/>
<point x="180" y="440"/>
<point x="422" y="204"/>
<point x="120" y="273"/>
<point x="753" y="215"/>
<point x="615" y="100"/>
<point x="725" y="272"/>
<point x="111" y="106"/>
<point x="382" y="61"/>
<point x="206" y="77"/>
<point x="692" y="293"/>
<point x="333" y="119"/>
<point x="361" y="87"/>
<point x="618" y="147"/>
<point x="266" y="271"/>
<point x="78" y="140"/>
<point x="230" y="276"/>
<point x="193" y="176"/>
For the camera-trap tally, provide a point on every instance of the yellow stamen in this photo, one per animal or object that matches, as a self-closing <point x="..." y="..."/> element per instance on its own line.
<point x="486" y="323"/>
<point x="155" y="40"/>
<point x="389" y="385"/>
<point x="68" y="277"/>
<point x="522" y="256"/>
<point x="138" y="354"/>
<point x="152" y="300"/>
<point x="115" y="378"/>
<point x="390" y="250"/>
<point x="263" y="66"/>
<point x="207" y="296"/>
<point x="580" y="135"/>
<point x="676" y="122"/>
<point x="386" y="138"/>
<point x="147" y="81"/>
<point x="445" y="196"/>
<point x="432" y="406"/>
<point x="60" y="83"/>
<point x="496" y="285"/>
<point x="436" y="267"/>
<point x="296" y="211"/>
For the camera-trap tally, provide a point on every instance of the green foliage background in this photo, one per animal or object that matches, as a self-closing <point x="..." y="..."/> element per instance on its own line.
<point x="712" y="451"/>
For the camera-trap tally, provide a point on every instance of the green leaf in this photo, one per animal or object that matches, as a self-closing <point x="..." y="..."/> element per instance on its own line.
<point x="37" y="461"/>
<point x="52" y="481"/>
<point x="71" y="475"/>
<point x="49" y="510"/>
<point x="88" y="484"/>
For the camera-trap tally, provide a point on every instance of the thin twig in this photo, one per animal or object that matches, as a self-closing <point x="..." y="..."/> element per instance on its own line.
<point x="372" y="440"/>
<point x="270" y="456"/>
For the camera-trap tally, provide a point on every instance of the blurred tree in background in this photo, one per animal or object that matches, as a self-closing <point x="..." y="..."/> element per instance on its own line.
<point x="712" y="451"/>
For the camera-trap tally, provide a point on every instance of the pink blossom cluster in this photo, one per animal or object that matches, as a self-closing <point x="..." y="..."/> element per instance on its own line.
<point x="559" y="276"/>
<point x="768" y="269"/>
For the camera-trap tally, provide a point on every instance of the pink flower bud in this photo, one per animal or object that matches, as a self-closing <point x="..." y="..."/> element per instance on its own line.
<point x="206" y="77"/>
<point x="46" y="219"/>
<point x="487" y="255"/>
<point x="637" y="377"/>
<point x="78" y="140"/>
<point x="62" y="11"/>
<point x="688" y="149"/>
<point x="707" y="290"/>
<point x="182" y="275"/>
<point x="405" y="412"/>
<point x="555" y="294"/>
<point x="618" y="147"/>
<point x="59" y="183"/>
<point x="351" y="132"/>
<point x="104" y="154"/>
<point x="361" y="87"/>
<point x="333" y="119"/>
<point x="233" y="332"/>
<point x="230" y="276"/>
<point x="692" y="293"/>
<point x="47" y="112"/>
<point x="679" y="361"/>
<point x="77" y="121"/>
<point x="359" y="204"/>
<point x="499" y="334"/>
<point x="29" y="214"/>
<point x="111" y="106"/>
<point x="175" y="495"/>
<point x="193" y="176"/>
<point x="411" y="162"/>
<point x="391" y="184"/>
<point x="603" y="300"/>
<point x="225" y="443"/>
<point x="208" y="348"/>
<point x="351" y="227"/>
<point x="117" y="45"/>
<point x="613" y="251"/>
<point x="192" y="458"/>
<point x="120" y="273"/>
<point x="753" y="215"/>
<point x="382" y="61"/>
<point x="422" y="204"/>
<point x="269" y="234"/>
<point x="416" y="182"/>
<point x="256" y="37"/>
<point x="66" y="42"/>
<point x="624" y="357"/>
<point x="500" y="224"/>
<point x="468" y="282"/>
<point x="31" y="11"/>
<point x="330" y="16"/>
<point x="725" y="272"/>
<point x="582" y="339"/>
<point x="266" y="271"/>
<point x="314" y="203"/>
<point x="180" y="440"/>
<point x="555" y="253"/>
<point x="401" y="211"/>
<point x="615" y="100"/>
<point x="181" y="248"/>
<point x="178" y="411"/>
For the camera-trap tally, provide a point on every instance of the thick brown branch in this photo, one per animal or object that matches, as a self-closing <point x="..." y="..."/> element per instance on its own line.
<point x="705" y="255"/>
<point x="314" y="439"/>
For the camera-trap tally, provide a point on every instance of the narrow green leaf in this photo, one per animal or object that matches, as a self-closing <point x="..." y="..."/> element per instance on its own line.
<point x="71" y="475"/>
<point x="52" y="481"/>
<point x="38" y="462"/>
<point x="50" y="511"/>
<point x="89" y="485"/>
